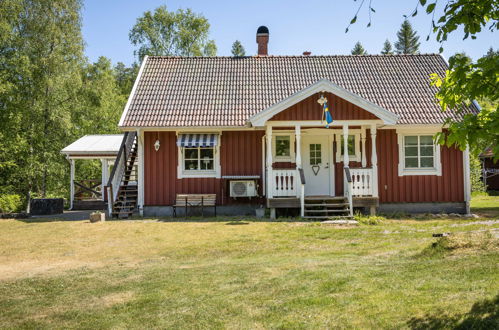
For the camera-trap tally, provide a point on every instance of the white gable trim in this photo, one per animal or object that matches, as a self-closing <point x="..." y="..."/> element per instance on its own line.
<point x="132" y="93"/>
<point x="324" y="85"/>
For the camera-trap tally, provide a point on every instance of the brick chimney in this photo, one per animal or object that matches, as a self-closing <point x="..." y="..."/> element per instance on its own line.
<point x="307" y="53"/>
<point x="262" y="39"/>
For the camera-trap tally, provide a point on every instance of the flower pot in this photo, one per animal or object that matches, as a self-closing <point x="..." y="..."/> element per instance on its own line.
<point x="96" y="217"/>
<point x="260" y="212"/>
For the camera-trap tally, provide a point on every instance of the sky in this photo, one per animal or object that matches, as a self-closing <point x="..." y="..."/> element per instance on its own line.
<point x="295" y="26"/>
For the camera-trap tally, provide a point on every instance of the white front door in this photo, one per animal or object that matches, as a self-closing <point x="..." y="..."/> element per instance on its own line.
<point x="315" y="151"/>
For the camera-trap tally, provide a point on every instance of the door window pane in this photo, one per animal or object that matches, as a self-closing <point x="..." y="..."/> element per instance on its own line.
<point x="315" y="154"/>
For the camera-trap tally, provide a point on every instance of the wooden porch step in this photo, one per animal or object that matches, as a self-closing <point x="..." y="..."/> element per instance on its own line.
<point x="328" y="211"/>
<point x="325" y="205"/>
<point x="319" y="217"/>
<point x="325" y="198"/>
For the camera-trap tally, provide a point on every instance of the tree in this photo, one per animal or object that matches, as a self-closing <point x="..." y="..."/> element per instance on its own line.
<point x="358" y="49"/>
<point x="408" y="40"/>
<point x="41" y="53"/>
<point x="125" y="77"/>
<point x="387" y="48"/>
<point x="238" y="49"/>
<point x="180" y="33"/>
<point x="466" y="81"/>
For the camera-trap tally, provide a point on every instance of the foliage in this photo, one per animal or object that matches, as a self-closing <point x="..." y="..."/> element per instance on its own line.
<point x="387" y="48"/>
<point x="50" y="95"/>
<point x="358" y="49"/>
<point x="368" y="219"/>
<point x="477" y="184"/>
<point x="180" y="33"/>
<point x="10" y="203"/>
<point x="238" y="49"/>
<point x="463" y="83"/>
<point x="407" y="39"/>
<point x="41" y="53"/>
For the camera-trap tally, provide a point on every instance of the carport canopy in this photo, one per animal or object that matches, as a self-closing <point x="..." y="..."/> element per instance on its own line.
<point x="103" y="146"/>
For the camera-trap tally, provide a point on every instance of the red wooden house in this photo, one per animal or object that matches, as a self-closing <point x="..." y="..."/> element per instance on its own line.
<point x="251" y="130"/>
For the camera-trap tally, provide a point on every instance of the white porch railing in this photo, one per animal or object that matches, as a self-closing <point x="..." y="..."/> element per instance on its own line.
<point x="362" y="181"/>
<point x="284" y="183"/>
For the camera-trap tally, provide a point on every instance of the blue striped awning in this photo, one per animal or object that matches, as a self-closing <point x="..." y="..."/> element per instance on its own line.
<point x="197" y="140"/>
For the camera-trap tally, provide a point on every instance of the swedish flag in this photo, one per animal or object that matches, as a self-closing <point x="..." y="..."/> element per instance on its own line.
<point x="327" y="114"/>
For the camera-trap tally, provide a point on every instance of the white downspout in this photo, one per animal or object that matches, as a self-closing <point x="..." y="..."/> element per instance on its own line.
<point x="467" y="180"/>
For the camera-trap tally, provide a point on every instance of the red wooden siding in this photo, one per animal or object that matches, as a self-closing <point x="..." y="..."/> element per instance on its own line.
<point x="309" y="109"/>
<point x="240" y="154"/>
<point x="449" y="187"/>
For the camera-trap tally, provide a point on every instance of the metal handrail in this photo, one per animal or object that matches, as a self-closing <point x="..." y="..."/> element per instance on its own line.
<point x="119" y="168"/>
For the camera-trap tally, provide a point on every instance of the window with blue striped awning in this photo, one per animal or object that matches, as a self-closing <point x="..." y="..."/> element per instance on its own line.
<point x="197" y="140"/>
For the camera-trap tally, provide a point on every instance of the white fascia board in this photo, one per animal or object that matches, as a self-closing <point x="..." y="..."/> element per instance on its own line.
<point x="324" y="85"/>
<point x="132" y="93"/>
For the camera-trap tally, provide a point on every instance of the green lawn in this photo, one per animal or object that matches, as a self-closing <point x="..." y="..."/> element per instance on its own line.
<point x="248" y="274"/>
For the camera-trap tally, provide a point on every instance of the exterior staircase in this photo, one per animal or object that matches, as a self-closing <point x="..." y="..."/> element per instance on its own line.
<point x="124" y="178"/>
<point x="326" y="208"/>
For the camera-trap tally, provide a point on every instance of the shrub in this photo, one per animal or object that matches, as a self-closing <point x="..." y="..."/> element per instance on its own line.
<point x="10" y="203"/>
<point x="368" y="220"/>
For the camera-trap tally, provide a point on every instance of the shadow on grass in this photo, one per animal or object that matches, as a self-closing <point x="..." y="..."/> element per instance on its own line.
<point x="482" y="315"/>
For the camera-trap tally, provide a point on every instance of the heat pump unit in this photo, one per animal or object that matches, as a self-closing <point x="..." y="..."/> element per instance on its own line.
<point x="245" y="188"/>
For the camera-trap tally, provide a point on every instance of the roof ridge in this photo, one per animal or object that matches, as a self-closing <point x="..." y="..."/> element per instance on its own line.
<point x="290" y="56"/>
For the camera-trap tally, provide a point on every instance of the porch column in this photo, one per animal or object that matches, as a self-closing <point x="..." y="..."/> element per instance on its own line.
<point x="298" y="145"/>
<point x="374" y="160"/>
<point x="270" y="182"/>
<point x="104" y="177"/>
<point x="71" y="183"/>
<point x="346" y="158"/>
<point x="363" y="138"/>
<point x="140" y="178"/>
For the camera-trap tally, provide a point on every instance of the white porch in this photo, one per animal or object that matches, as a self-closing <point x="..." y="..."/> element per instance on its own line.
<point x="318" y="154"/>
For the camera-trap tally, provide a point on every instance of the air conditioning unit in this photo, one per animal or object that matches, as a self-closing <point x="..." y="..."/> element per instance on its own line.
<point x="246" y="188"/>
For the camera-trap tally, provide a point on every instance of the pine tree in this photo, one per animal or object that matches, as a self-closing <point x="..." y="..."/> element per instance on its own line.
<point x="358" y="49"/>
<point x="408" y="40"/>
<point x="238" y="49"/>
<point x="387" y="48"/>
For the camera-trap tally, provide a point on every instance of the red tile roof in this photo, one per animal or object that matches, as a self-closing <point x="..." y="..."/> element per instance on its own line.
<point x="227" y="91"/>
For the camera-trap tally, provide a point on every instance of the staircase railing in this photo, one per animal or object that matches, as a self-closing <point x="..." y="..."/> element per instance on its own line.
<point x="349" y="188"/>
<point x="302" y="191"/>
<point x="113" y="185"/>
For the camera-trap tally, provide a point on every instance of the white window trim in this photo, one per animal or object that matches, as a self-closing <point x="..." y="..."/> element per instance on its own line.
<point x="216" y="173"/>
<point x="339" y="146"/>
<point x="291" y="157"/>
<point x="402" y="170"/>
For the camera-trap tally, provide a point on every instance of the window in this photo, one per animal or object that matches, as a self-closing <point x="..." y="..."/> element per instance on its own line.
<point x="418" y="151"/>
<point x="315" y="154"/>
<point x="283" y="147"/>
<point x="354" y="152"/>
<point x="351" y="145"/>
<point x="198" y="155"/>
<point x="199" y="159"/>
<point x="418" y="154"/>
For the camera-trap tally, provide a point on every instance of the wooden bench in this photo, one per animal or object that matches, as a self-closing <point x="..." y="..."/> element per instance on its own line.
<point x="194" y="200"/>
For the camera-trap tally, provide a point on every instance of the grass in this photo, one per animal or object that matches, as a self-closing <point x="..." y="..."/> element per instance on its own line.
<point x="256" y="274"/>
<point x="486" y="205"/>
